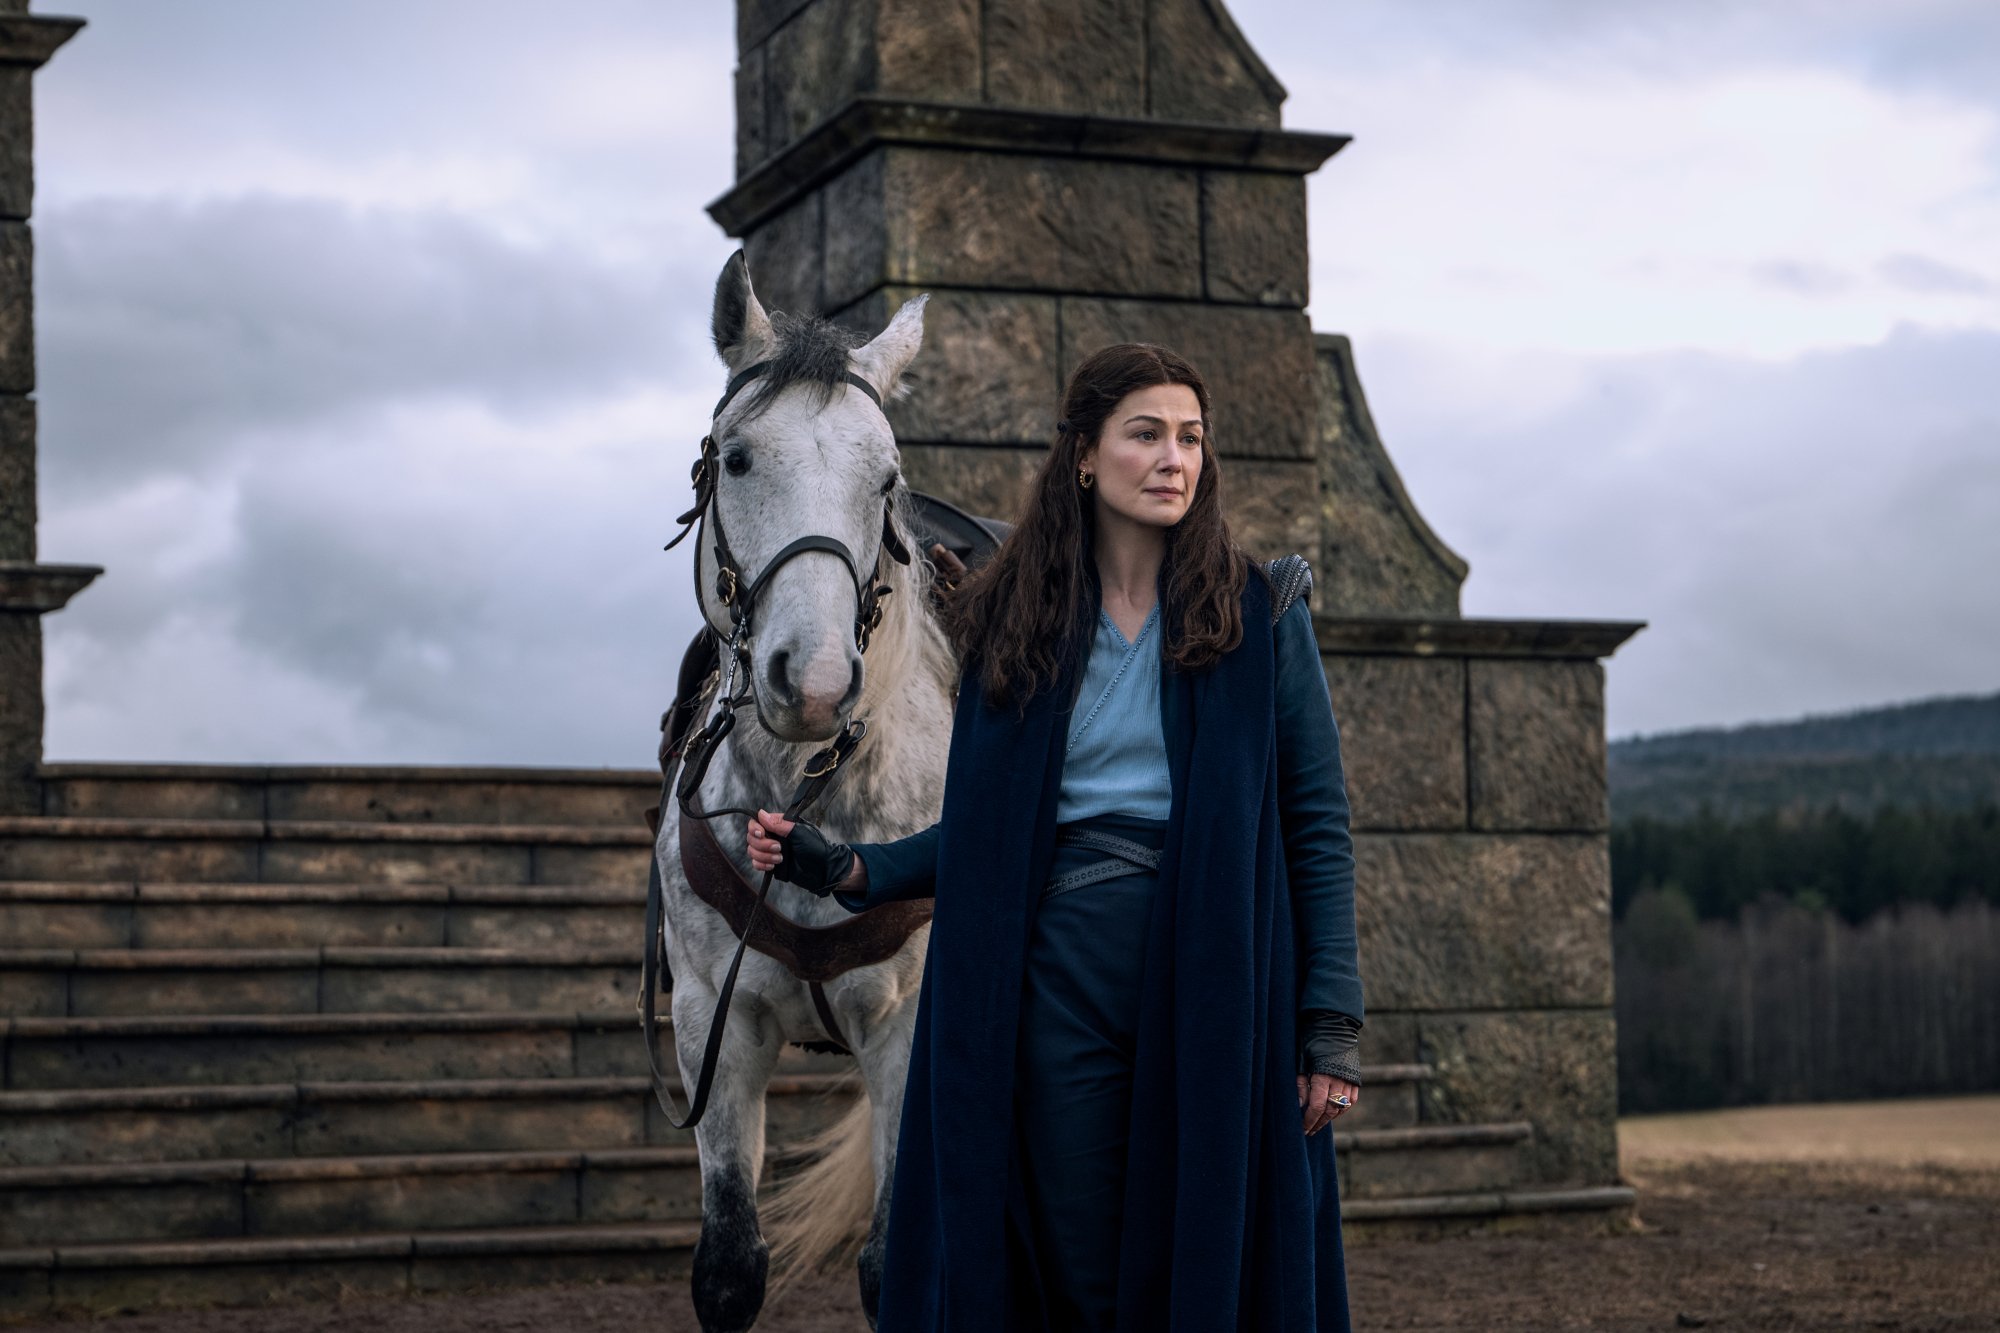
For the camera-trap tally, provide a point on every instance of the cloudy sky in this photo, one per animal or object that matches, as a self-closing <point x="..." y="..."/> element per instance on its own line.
<point x="373" y="352"/>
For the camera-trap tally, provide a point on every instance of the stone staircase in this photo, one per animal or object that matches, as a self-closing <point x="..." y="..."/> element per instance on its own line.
<point x="275" y="1034"/>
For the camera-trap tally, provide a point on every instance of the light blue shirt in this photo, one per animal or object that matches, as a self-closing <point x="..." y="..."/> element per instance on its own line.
<point x="1116" y="758"/>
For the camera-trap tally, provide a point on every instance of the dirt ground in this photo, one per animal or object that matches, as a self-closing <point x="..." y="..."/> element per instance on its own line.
<point x="1896" y="1242"/>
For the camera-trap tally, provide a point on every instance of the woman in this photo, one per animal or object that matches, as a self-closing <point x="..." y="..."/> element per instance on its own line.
<point x="1140" y="1001"/>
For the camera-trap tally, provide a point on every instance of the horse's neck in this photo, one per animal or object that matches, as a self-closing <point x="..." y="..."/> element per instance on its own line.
<point x="892" y="781"/>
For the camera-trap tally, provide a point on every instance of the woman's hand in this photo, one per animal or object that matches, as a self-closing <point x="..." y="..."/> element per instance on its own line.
<point x="765" y="830"/>
<point x="797" y="852"/>
<point x="1316" y="1099"/>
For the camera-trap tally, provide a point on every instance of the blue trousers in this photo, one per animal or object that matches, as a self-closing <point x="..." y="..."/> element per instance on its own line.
<point x="1079" y="1035"/>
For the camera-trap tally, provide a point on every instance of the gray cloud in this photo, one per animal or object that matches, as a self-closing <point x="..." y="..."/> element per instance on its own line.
<point x="1800" y="278"/>
<point x="1920" y="274"/>
<point x="1811" y="534"/>
<point x="168" y="331"/>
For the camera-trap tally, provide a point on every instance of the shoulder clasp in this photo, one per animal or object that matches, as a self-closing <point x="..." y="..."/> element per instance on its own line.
<point x="1291" y="578"/>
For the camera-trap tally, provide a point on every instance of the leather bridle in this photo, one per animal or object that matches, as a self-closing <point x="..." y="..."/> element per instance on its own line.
<point x="693" y="755"/>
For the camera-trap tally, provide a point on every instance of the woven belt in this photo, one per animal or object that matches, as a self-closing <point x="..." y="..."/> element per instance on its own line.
<point x="1127" y="858"/>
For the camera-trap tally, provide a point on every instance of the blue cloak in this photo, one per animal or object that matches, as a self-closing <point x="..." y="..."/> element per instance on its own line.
<point x="1231" y="1214"/>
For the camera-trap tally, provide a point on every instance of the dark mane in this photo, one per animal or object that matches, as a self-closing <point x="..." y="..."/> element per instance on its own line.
<point x="811" y="350"/>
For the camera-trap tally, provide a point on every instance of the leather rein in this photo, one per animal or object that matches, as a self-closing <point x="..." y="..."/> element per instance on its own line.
<point x="693" y="754"/>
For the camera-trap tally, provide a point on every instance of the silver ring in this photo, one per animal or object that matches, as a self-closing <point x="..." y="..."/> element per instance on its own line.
<point x="1343" y="1100"/>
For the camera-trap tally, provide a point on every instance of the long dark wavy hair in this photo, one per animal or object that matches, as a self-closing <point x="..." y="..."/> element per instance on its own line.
<point x="1018" y="617"/>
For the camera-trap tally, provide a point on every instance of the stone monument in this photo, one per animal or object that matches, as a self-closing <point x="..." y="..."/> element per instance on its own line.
<point x="1061" y="174"/>
<point x="28" y="590"/>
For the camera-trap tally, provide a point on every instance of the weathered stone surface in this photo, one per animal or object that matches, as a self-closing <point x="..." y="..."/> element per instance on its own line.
<point x="33" y="992"/>
<point x="109" y="993"/>
<point x="1067" y="55"/>
<point x="136" y="797"/>
<point x="308" y="862"/>
<point x="757" y="19"/>
<point x="988" y="371"/>
<point x="1254" y="237"/>
<point x="329" y="1127"/>
<point x="130" y="1059"/>
<point x="17" y="308"/>
<point x="17" y="141"/>
<point x="752" y="143"/>
<point x="587" y="865"/>
<point x="1555" y="1069"/>
<point x="1467" y="920"/>
<point x="184" y="1209"/>
<point x="331" y="1205"/>
<point x="787" y="262"/>
<point x="480" y="926"/>
<point x="1463" y="1169"/>
<point x="28" y="924"/>
<point x="989" y="480"/>
<point x="814" y="65"/>
<point x="20" y="716"/>
<point x="1381" y="558"/>
<point x="17" y="477"/>
<point x="614" y="1191"/>
<point x="928" y="49"/>
<point x="285" y="1281"/>
<point x="1402" y="738"/>
<point x="289" y="925"/>
<point x="921" y="216"/>
<point x="1537" y="742"/>
<point x="99" y="860"/>
<point x="1257" y="362"/>
<point x="1269" y="506"/>
<point x="1199" y="67"/>
<point x="73" y="1137"/>
<point x="410" y="990"/>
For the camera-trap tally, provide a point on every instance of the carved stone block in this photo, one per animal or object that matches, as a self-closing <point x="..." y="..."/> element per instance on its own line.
<point x="987" y="374"/>
<point x="1269" y="506"/>
<point x="17" y="308"/>
<point x="1483" y="921"/>
<point x="786" y="261"/>
<point x="1402" y="738"/>
<point x="1254" y="237"/>
<point x="17" y="142"/>
<point x="1200" y="68"/>
<point x="1258" y="363"/>
<point x="1066" y="55"/>
<point x="917" y="216"/>
<point x="1556" y="1070"/>
<point x="991" y="481"/>
<point x="1537" y="745"/>
<point x="17" y="478"/>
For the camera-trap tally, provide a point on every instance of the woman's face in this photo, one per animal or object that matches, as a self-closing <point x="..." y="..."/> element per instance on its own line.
<point x="1147" y="457"/>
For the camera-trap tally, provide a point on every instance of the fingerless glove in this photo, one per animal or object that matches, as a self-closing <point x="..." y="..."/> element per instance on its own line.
<point x="812" y="861"/>
<point x="1327" y="1044"/>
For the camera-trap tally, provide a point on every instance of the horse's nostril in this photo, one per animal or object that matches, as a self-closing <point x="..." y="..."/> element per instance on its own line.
<point x="780" y="683"/>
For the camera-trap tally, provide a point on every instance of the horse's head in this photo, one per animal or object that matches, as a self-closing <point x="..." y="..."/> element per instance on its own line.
<point x="801" y="450"/>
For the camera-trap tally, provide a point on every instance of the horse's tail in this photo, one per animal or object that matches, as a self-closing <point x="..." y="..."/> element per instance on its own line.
<point x="817" y="1215"/>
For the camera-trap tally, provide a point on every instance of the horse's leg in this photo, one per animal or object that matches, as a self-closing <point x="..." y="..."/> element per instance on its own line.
<point x="731" y="1260"/>
<point x="885" y="1064"/>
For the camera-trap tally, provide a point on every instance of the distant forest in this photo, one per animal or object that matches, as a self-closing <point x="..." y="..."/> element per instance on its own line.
<point x="1808" y="909"/>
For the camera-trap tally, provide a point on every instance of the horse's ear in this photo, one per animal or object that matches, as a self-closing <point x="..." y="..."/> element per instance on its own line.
<point x="741" y="329"/>
<point x="883" y="361"/>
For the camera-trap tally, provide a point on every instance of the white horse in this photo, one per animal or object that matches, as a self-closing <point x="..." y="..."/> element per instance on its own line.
<point x="803" y="451"/>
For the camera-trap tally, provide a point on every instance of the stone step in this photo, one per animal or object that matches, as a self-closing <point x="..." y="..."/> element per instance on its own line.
<point x="308" y="1195"/>
<point x="378" y="794"/>
<point x="1430" y="1159"/>
<point x="53" y="1053"/>
<point x="248" y="851"/>
<point x="105" y="983"/>
<point x="125" y="915"/>
<point x="47" y="1278"/>
<point x="201" y="1121"/>
<point x="315" y="1196"/>
<point x="322" y="1269"/>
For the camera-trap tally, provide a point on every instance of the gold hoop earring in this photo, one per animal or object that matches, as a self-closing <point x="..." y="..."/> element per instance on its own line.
<point x="1085" y="479"/>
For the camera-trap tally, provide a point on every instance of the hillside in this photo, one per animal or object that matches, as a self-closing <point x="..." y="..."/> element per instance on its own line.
<point x="1941" y="752"/>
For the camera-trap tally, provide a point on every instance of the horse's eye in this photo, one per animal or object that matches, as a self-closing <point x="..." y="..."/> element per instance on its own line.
<point x="890" y="484"/>
<point x="736" y="462"/>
